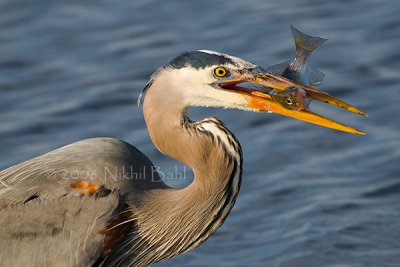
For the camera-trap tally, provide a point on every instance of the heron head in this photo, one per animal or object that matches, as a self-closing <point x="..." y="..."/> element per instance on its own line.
<point x="212" y="79"/>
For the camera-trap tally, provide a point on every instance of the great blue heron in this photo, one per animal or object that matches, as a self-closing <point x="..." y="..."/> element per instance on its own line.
<point x="98" y="202"/>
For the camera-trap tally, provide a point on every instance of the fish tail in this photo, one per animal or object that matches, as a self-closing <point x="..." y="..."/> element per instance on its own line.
<point x="306" y="42"/>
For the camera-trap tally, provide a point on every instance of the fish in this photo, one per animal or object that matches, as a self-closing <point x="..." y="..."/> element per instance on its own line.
<point x="298" y="70"/>
<point x="294" y="83"/>
<point x="293" y="98"/>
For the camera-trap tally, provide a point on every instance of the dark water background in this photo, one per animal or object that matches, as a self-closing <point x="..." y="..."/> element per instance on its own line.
<point x="310" y="196"/>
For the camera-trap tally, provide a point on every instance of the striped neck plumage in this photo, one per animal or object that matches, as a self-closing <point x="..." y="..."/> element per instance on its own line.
<point x="221" y="183"/>
<point x="190" y="215"/>
<point x="214" y="155"/>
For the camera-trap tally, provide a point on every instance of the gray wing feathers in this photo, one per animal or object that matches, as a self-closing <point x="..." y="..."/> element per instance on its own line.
<point x="57" y="227"/>
<point x="54" y="232"/>
<point x="107" y="161"/>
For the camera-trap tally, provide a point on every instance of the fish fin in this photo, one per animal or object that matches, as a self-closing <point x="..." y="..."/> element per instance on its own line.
<point x="315" y="76"/>
<point x="278" y="69"/>
<point x="306" y="42"/>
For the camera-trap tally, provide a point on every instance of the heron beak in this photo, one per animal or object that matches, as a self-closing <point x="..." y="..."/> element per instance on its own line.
<point x="259" y="98"/>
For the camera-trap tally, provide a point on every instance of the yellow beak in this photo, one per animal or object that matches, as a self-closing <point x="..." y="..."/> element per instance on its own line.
<point x="259" y="99"/>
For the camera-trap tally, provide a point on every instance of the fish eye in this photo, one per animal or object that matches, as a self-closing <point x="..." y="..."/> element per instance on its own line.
<point x="289" y="101"/>
<point x="220" y="72"/>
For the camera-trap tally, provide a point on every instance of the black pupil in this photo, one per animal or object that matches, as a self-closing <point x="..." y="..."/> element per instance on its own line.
<point x="221" y="72"/>
<point x="289" y="101"/>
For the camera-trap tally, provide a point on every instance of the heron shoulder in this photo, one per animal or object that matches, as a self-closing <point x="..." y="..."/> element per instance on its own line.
<point x="88" y="153"/>
<point x="108" y="162"/>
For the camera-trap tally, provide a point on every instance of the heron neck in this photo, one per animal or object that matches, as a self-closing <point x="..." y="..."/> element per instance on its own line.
<point x="206" y="146"/>
<point x="214" y="155"/>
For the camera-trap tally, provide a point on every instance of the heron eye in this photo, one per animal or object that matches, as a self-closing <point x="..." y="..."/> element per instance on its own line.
<point x="220" y="72"/>
<point x="289" y="101"/>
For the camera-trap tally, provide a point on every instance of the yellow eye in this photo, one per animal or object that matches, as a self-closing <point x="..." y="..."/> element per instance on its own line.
<point x="220" y="72"/>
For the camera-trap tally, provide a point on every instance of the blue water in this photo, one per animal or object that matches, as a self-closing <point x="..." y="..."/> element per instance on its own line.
<point x="310" y="196"/>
